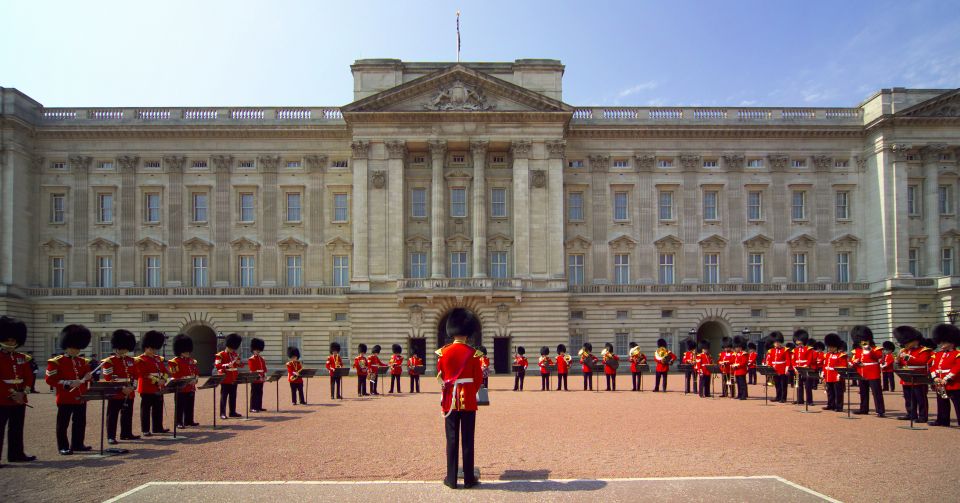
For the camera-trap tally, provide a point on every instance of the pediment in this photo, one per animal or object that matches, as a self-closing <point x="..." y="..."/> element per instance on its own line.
<point x="499" y="240"/>
<point x="291" y="244"/>
<point x="454" y="89"/>
<point x="459" y="243"/>
<point x="103" y="244"/>
<point x="945" y="105"/>
<point x="846" y="240"/>
<point x="623" y="242"/>
<point x="339" y="244"/>
<point x="713" y="241"/>
<point x="197" y="244"/>
<point x="668" y="241"/>
<point x="151" y="244"/>
<point x="418" y="244"/>
<point x="55" y="244"/>
<point x="758" y="241"/>
<point x="577" y="242"/>
<point x="803" y="240"/>
<point x="245" y="243"/>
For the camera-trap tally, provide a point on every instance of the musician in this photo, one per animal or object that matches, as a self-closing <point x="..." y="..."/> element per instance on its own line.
<point x="664" y="358"/>
<point x="637" y="361"/>
<point x="152" y="374"/>
<point x="294" y="367"/>
<point x="751" y="363"/>
<point x="945" y="371"/>
<point x="360" y="363"/>
<point x="700" y="367"/>
<point x="801" y="359"/>
<point x="835" y="358"/>
<point x="916" y="357"/>
<point x="610" y="361"/>
<point x="779" y="358"/>
<point x="723" y="359"/>
<point x="563" y="366"/>
<point x="227" y="363"/>
<point x="886" y="366"/>
<point x="689" y="358"/>
<point x="866" y="358"/>
<point x="334" y="361"/>
<point x="545" y="362"/>
<point x="70" y="375"/>
<point x="587" y="360"/>
<point x="374" y="363"/>
<point x="415" y="361"/>
<point x="258" y="366"/>
<point x="458" y="368"/>
<point x="183" y="366"/>
<point x="16" y="382"/>
<point x="484" y="366"/>
<point x="791" y="371"/>
<point x="396" y="367"/>
<point x="815" y="363"/>
<point x="121" y="368"/>
<point x="520" y="361"/>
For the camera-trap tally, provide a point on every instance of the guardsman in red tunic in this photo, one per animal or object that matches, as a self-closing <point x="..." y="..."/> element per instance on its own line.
<point x="779" y="358"/>
<point x="751" y="363"/>
<point x="360" y="364"/>
<point x="16" y="382"/>
<point x="738" y="366"/>
<point x="723" y="359"/>
<point x="563" y="366"/>
<point x="637" y="362"/>
<point x="587" y="360"/>
<point x="458" y="369"/>
<point x="484" y="366"/>
<point x="183" y="366"/>
<point x="945" y="371"/>
<point x="415" y="361"/>
<point x="396" y="367"/>
<point x="374" y="364"/>
<point x="152" y="373"/>
<point x="700" y="367"/>
<point x="545" y="362"/>
<point x="886" y="366"/>
<point x="228" y="364"/>
<point x="120" y="367"/>
<point x="866" y="358"/>
<point x="664" y="358"/>
<point x="815" y="362"/>
<point x="833" y="359"/>
<point x="689" y="358"/>
<point x="294" y="367"/>
<point x="70" y="375"/>
<point x="520" y="361"/>
<point x="334" y="361"/>
<point x="610" y="363"/>
<point x="258" y="366"/>
<point x="916" y="357"/>
<point x="800" y="359"/>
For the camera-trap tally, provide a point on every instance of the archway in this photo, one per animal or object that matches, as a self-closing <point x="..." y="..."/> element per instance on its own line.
<point x="204" y="347"/>
<point x="442" y="340"/>
<point x="714" y="332"/>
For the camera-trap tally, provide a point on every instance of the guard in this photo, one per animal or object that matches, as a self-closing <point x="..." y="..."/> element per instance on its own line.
<point x="458" y="369"/>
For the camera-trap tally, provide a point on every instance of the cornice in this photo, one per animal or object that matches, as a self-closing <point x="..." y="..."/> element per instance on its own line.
<point x="590" y="132"/>
<point x="108" y="132"/>
<point x="407" y="117"/>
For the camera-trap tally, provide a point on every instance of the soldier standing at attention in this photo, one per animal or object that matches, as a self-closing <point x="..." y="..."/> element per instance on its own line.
<point x="520" y="361"/>
<point x="360" y="363"/>
<point x="16" y="382"/>
<point x="563" y="367"/>
<point x="412" y="363"/>
<point x="258" y="366"/>
<point x="458" y="369"/>
<point x="396" y="367"/>
<point x="120" y="367"/>
<point x="70" y="375"/>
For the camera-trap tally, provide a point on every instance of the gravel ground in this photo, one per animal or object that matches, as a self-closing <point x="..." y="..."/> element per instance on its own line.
<point x="528" y="435"/>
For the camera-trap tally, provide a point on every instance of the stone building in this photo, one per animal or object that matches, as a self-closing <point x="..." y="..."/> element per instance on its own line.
<point x="474" y="184"/>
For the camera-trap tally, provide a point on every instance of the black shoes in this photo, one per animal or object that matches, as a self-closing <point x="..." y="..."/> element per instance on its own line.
<point x="82" y="448"/>
<point x="65" y="452"/>
<point x="234" y="414"/>
<point x="470" y="484"/>
<point x="22" y="459"/>
<point x="451" y="485"/>
<point x="938" y="423"/>
<point x="860" y="412"/>
<point x="193" y="424"/>
<point x="112" y="441"/>
<point x="130" y="437"/>
<point x="165" y="430"/>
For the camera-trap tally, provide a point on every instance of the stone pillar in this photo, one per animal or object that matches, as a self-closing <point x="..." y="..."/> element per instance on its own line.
<point x="360" y="274"/>
<point x="438" y="249"/>
<point x="479" y="151"/>
<point x="175" y="221"/>
<point x="315" y="220"/>
<point x="222" y="222"/>
<point x="600" y="217"/>
<point x="127" y="263"/>
<point x="931" y="210"/>
<point x="521" y="208"/>
<point x="80" y="264"/>
<point x="268" y="221"/>
<point x="555" y="235"/>
<point x="396" y="192"/>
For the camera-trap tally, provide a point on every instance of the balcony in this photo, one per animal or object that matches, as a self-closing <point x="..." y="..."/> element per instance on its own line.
<point x="195" y="116"/>
<point x="717" y="116"/>
<point x="739" y="288"/>
<point x="181" y="292"/>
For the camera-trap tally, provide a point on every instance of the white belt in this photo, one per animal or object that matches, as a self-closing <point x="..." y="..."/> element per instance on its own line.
<point x="865" y="364"/>
<point x="13" y="381"/>
<point x="120" y="380"/>
<point x="777" y="363"/>
<point x="915" y="367"/>
<point x="456" y="384"/>
<point x="942" y="371"/>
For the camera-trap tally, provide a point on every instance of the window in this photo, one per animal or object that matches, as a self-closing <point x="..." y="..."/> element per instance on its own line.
<point x="498" y="159"/>
<point x="575" y="206"/>
<point x="293" y="206"/>
<point x="799" y="208"/>
<point x="293" y="164"/>
<point x="104" y="272"/>
<point x="340" y="163"/>
<point x="755" y="268"/>
<point x="756" y="313"/>
<point x="914" y="261"/>
<point x="418" y="203"/>
<point x="799" y="268"/>
<point x="621" y="269"/>
<point x="341" y="270"/>
<point x="199" y="270"/>
<point x="710" y="205"/>
<point x="199" y="210"/>
<point x="755" y="163"/>
<point x="151" y="207"/>
<point x="104" y="344"/>
<point x="246" y="207"/>
<point x="913" y="199"/>
<point x="576" y="315"/>
<point x="246" y="317"/>
<point x="294" y="270"/>
<point x="151" y="271"/>
<point x="344" y="343"/>
<point x="945" y="194"/>
<point x="755" y="205"/>
<point x="340" y="211"/>
<point x="843" y="205"/>
<point x="622" y="315"/>
<point x="946" y="261"/>
<point x="418" y="265"/>
<point x="576" y="342"/>
<point x="248" y="164"/>
<point x="57" y="208"/>
<point x="339" y="316"/>
<point x="711" y="268"/>
<point x="665" y="275"/>
<point x="458" y="159"/>
<point x="106" y="165"/>
<point x="620" y="343"/>
<point x="293" y="316"/>
<point x="295" y="341"/>
<point x="575" y="269"/>
<point x="498" y="264"/>
<point x="666" y="205"/>
<point x="419" y="159"/>
<point x="58" y="165"/>
<point x="841" y="163"/>
<point x="247" y="270"/>
<point x="103" y="317"/>
<point x="56" y="272"/>
<point x="458" y="202"/>
<point x="666" y="313"/>
<point x="665" y="163"/>
<point x="199" y="164"/>
<point x="620" y="206"/>
<point x="57" y="318"/>
<point x="798" y="163"/>
<point x="712" y="163"/>
<point x="800" y="312"/>
<point x="105" y="208"/>
<point x="498" y="203"/>
<point x="575" y="163"/>
<point x="620" y="163"/>
<point x="458" y="265"/>
<point x="843" y="267"/>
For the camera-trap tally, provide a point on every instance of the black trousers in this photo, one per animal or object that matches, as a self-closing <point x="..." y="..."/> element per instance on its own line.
<point x="74" y="416"/>
<point x="704" y="390"/>
<point x="374" y="380"/>
<point x="889" y="383"/>
<point x="724" y="380"/>
<point x="656" y="385"/>
<point x="12" y="418"/>
<point x="296" y="388"/>
<point x="866" y="387"/>
<point x="915" y="401"/>
<point x="544" y="382"/>
<point x="588" y="381"/>
<point x="228" y="393"/>
<point x="486" y="382"/>
<point x="943" y="407"/>
<point x="395" y="378"/>
<point x="611" y="380"/>
<point x="415" y="383"/>
<point x="361" y="385"/>
<point x="801" y="390"/>
<point x="183" y="408"/>
<point x="562" y="382"/>
<point x="835" y="395"/>
<point x="122" y="409"/>
<point x="752" y="376"/>
<point x="518" y="381"/>
<point x="688" y="377"/>
<point x="151" y="413"/>
<point x="780" y="382"/>
<point x="460" y="426"/>
<point x="256" y="396"/>
<point x="808" y="387"/>
<point x="336" y="387"/>
<point x="741" y="387"/>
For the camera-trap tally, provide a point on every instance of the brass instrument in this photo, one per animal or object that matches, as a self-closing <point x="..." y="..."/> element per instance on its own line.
<point x="567" y="358"/>
<point x="940" y="386"/>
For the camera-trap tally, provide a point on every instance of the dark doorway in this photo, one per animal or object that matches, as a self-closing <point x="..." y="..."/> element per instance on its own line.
<point x="714" y="332"/>
<point x="204" y="347"/>
<point x="501" y="355"/>
<point x="418" y="346"/>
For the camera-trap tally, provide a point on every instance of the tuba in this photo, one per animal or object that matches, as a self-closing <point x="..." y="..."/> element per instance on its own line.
<point x="662" y="355"/>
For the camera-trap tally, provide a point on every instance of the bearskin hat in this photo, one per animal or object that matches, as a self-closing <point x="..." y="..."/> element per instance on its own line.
<point x="233" y="341"/>
<point x="154" y="339"/>
<point x="561" y="348"/>
<point x="860" y="334"/>
<point x="791" y="345"/>
<point x="752" y="346"/>
<point x="608" y="347"/>
<point x="631" y="345"/>
<point x="294" y="351"/>
<point x="888" y="345"/>
<point x="74" y="336"/>
<point x="182" y="343"/>
<point x="739" y="342"/>
<point x="362" y="348"/>
<point x="928" y="343"/>
<point x="257" y="344"/>
<point x="775" y="336"/>
<point x="482" y="349"/>
<point x="819" y="346"/>
<point x="661" y="343"/>
<point x="690" y="344"/>
<point x="905" y="334"/>
<point x="462" y="322"/>
<point x="946" y="333"/>
<point x="587" y="346"/>
<point x="334" y="347"/>
<point x="801" y="337"/>
<point x="123" y="339"/>
<point x="396" y="349"/>
<point x="521" y="350"/>
<point x="12" y="328"/>
<point x="704" y="345"/>
<point x="832" y="340"/>
<point x="726" y="342"/>
<point x="376" y="349"/>
<point x="544" y="351"/>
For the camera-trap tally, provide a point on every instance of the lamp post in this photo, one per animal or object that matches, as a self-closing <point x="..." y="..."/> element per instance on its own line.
<point x="692" y="333"/>
<point x="952" y="315"/>
<point x="745" y="332"/>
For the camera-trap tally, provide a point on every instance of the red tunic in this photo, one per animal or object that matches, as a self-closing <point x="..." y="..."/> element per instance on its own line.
<point x="258" y="366"/>
<point x="917" y="358"/>
<point x="180" y="368"/>
<point x="15" y="376"/>
<point x="521" y="361"/>
<point x="360" y="363"/>
<point x="608" y="370"/>
<point x="663" y="364"/>
<point x="752" y="359"/>
<point x="415" y="361"/>
<point x="801" y="356"/>
<point x="738" y="363"/>
<point x="688" y="358"/>
<point x="587" y="360"/>
<point x="545" y="363"/>
<point x="333" y="362"/>
<point x="946" y="366"/>
<point x="120" y="369"/>
<point x="723" y="359"/>
<point x="640" y="359"/>
<point x="868" y="362"/>
<point x="374" y="363"/>
<point x="152" y="373"/>
<point x="458" y="366"/>
<point x="292" y="368"/>
<point x="886" y="364"/>
<point x="832" y="362"/>
<point x="485" y="365"/>
<point x="563" y="366"/>
<point x="700" y="364"/>
<point x="67" y="368"/>
<point x="779" y="359"/>
<point x="396" y="365"/>
<point x="227" y="364"/>
<point x="815" y="359"/>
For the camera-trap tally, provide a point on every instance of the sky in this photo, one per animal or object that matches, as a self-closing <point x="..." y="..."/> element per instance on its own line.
<point x="640" y="53"/>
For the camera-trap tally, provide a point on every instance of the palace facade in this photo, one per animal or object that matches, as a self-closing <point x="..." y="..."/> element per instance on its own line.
<point x="475" y="184"/>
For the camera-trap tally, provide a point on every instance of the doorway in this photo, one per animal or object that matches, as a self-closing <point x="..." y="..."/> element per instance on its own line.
<point x="204" y="347"/>
<point x="713" y="332"/>
<point x="418" y="346"/>
<point x="501" y="355"/>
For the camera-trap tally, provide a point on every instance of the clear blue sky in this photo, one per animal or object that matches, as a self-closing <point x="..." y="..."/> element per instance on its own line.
<point x="750" y="53"/>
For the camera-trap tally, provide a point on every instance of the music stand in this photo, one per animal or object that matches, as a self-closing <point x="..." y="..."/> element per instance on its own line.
<point x="714" y="369"/>
<point x="342" y="372"/>
<point x="597" y="367"/>
<point x="641" y="368"/>
<point x="686" y="367"/>
<point x="102" y="391"/>
<point x="307" y="374"/>
<point x="420" y="370"/>
<point x="174" y="386"/>
<point x="275" y="377"/>
<point x="914" y="378"/>
<point x="848" y="374"/>
<point x="768" y="372"/>
<point x="211" y="383"/>
<point x="246" y="378"/>
<point x="807" y="373"/>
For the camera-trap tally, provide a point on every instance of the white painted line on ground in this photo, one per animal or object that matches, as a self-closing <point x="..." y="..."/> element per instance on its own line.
<point x="808" y="490"/>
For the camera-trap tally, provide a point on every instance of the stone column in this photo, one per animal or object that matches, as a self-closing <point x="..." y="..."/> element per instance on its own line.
<point x="555" y="234"/>
<point x="479" y="151"/>
<point x="175" y="221"/>
<point x="600" y="217"/>
<point x="222" y="222"/>
<point x="360" y="275"/>
<point x="268" y="221"/>
<point x="438" y="249"/>
<point x="931" y="210"/>
<point x="79" y="265"/>
<point x="315" y="220"/>
<point x="396" y="193"/>
<point x="127" y="263"/>
<point x="521" y="208"/>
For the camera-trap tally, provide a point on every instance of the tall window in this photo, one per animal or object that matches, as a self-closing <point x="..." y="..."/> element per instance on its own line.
<point x="341" y="270"/>
<point x="293" y="207"/>
<point x="620" y="343"/>
<point x="621" y="269"/>
<point x="151" y="207"/>
<point x="843" y="267"/>
<point x="799" y="268"/>
<point x="105" y="208"/>
<point x="151" y="271"/>
<point x="666" y="205"/>
<point x="199" y="273"/>
<point x="843" y="205"/>
<point x="294" y="270"/>
<point x="418" y="265"/>
<point x="57" y="208"/>
<point x="104" y="272"/>
<point x="246" y="207"/>
<point x="199" y="211"/>
<point x="418" y="203"/>
<point x="620" y="206"/>
<point x="946" y="261"/>
<point x="913" y="199"/>
<point x="799" y="211"/>
<point x="340" y="210"/>
<point x="247" y="270"/>
<point x="458" y="202"/>
<point x="711" y="268"/>
<point x="755" y="268"/>
<point x="665" y="275"/>
<point x="914" y="262"/>
<point x="755" y="205"/>
<point x="498" y="264"/>
<point x="710" y="205"/>
<point x="575" y="269"/>
<point x="56" y="272"/>
<point x="498" y="203"/>
<point x="575" y="206"/>
<point x="458" y="265"/>
<point x="945" y="195"/>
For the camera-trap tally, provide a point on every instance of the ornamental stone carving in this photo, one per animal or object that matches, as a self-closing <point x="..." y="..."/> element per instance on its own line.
<point x="931" y="153"/>
<point x="822" y="162"/>
<point x="438" y="149"/>
<point x="37" y="162"/>
<point x="689" y="162"/>
<point x="503" y="315"/>
<point x="268" y="163"/>
<point x="80" y="162"/>
<point x="128" y="162"/>
<point x="396" y="149"/>
<point x="479" y="147"/>
<point x="315" y="162"/>
<point x="379" y="179"/>
<point x="861" y="163"/>
<point x="778" y="162"/>
<point x="900" y="151"/>
<point x="599" y="163"/>
<point x="645" y="162"/>
<point x="521" y="149"/>
<point x="734" y="162"/>
<point x="538" y="178"/>
<point x="150" y="244"/>
<point x="459" y="97"/>
<point x="416" y="316"/>
<point x="174" y="163"/>
<point x="556" y="148"/>
<point x="223" y="163"/>
<point x="360" y="148"/>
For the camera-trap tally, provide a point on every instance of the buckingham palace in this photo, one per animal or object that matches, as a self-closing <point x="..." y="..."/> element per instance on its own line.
<point x="475" y="185"/>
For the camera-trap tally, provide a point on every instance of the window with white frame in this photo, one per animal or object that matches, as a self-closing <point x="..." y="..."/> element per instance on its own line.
<point x="843" y="267"/>
<point x="711" y="268"/>
<point x="294" y="270"/>
<point x="798" y="163"/>
<point x="339" y="163"/>
<point x="57" y="208"/>
<point x="621" y="268"/>
<point x="620" y="342"/>
<point x="341" y="270"/>
<point x="418" y="203"/>
<point x="843" y="205"/>
<point x="458" y="202"/>
<point x="666" y="205"/>
<point x="575" y="342"/>
<point x="576" y="163"/>
<point x="106" y="165"/>
<point x="913" y="259"/>
<point x="246" y="164"/>
<point x="151" y="271"/>
<point x="664" y="163"/>
<point x="755" y="163"/>
<point x="710" y="198"/>
<point x="575" y="207"/>
<point x="799" y="268"/>
<point x="945" y="195"/>
<point x="293" y="164"/>
<point x="755" y="205"/>
<point x="913" y="199"/>
<point x="199" y="207"/>
<point x="458" y="265"/>
<point x="755" y="268"/>
<point x="247" y="210"/>
<point x="247" y="273"/>
<point x="841" y="163"/>
<point x="104" y="272"/>
<point x="575" y="269"/>
<point x="418" y="265"/>
<point x="665" y="274"/>
<point x="199" y="165"/>
<point x="340" y="210"/>
<point x="294" y="207"/>
<point x="151" y="205"/>
<point x="104" y="208"/>
<point x="620" y="206"/>
<point x="946" y="261"/>
<point x="57" y="271"/>
<point x="498" y="202"/>
<point x="621" y="163"/>
<point x="498" y="264"/>
<point x="58" y="165"/>
<point x="799" y="206"/>
<point x="199" y="270"/>
<point x="458" y="159"/>
<point x="710" y="163"/>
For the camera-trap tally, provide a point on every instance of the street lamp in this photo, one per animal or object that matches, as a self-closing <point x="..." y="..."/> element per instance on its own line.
<point x="745" y="332"/>
<point x="952" y="315"/>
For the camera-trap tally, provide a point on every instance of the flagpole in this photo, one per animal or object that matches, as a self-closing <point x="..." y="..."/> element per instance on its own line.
<point x="458" y="35"/>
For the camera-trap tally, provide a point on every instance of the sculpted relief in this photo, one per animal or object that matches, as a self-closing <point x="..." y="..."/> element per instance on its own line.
<point x="458" y="97"/>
